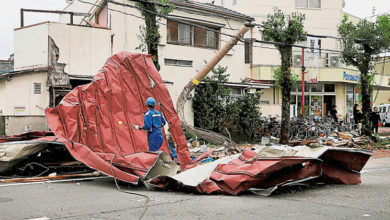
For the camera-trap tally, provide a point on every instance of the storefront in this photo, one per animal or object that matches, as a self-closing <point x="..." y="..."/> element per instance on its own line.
<point x="336" y="86"/>
<point x="319" y="98"/>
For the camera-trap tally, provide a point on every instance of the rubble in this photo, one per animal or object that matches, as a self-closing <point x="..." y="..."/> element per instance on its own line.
<point x="86" y="123"/>
<point x="267" y="168"/>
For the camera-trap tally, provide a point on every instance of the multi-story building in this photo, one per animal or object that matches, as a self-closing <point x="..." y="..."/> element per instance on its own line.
<point x="51" y="58"/>
<point x="328" y="81"/>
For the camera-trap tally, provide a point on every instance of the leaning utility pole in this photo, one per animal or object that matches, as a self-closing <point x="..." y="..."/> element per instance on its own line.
<point x="202" y="133"/>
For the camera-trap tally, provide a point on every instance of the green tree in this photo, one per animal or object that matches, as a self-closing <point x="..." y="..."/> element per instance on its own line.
<point x="249" y="116"/>
<point x="209" y="103"/>
<point x="149" y="33"/>
<point x="361" y="44"/>
<point x="285" y="31"/>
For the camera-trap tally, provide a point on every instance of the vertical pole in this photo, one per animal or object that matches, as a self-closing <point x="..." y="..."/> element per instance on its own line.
<point x="303" y="81"/>
<point x="21" y="18"/>
<point x="71" y="18"/>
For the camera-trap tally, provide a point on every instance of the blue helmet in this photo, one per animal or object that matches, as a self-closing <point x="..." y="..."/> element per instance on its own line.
<point x="151" y="101"/>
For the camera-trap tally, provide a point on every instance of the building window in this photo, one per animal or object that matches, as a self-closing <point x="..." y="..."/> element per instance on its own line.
<point x="308" y="3"/>
<point x="184" y="34"/>
<point x="316" y="87"/>
<point x="37" y="88"/>
<point x="329" y="88"/>
<point x="234" y="2"/>
<point x="300" y="87"/>
<point x="293" y="99"/>
<point x="236" y="91"/>
<point x="248" y="46"/>
<point x="173" y="62"/>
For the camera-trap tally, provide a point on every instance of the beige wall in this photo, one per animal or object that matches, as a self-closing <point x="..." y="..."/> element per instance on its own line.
<point x="273" y="110"/>
<point x="20" y="124"/>
<point x="31" y="47"/>
<point x="83" y="49"/>
<point x="379" y="67"/>
<point x="318" y="21"/>
<point x="126" y="28"/>
<point x="382" y="97"/>
<point x="2" y="96"/>
<point x="341" y="99"/>
<point x="19" y="92"/>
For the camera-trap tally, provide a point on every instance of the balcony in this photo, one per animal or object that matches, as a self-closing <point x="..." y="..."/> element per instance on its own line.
<point x="81" y="49"/>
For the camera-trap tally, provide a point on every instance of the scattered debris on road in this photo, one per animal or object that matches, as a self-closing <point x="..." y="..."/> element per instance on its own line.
<point x="86" y="123"/>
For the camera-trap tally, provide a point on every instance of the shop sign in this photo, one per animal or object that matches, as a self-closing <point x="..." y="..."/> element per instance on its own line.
<point x="351" y="77"/>
<point x="312" y="60"/>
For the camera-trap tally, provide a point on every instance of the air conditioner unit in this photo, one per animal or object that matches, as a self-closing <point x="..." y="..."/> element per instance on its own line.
<point x="297" y="60"/>
<point x="333" y="61"/>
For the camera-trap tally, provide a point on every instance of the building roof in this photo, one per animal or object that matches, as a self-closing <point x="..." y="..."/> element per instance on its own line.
<point x="6" y="65"/>
<point x="207" y="7"/>
<point x="10" y="73"/>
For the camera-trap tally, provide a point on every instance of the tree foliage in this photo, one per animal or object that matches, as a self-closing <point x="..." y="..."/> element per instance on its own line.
<point x="284" y="31"/>
<point x="361" y="44"/>
<point x="149" y="33"/>
<point x="215" y="110"/>
<point x="249" y="114"/>
<point x="209" y="102"/>
<point x="278" y="75"/>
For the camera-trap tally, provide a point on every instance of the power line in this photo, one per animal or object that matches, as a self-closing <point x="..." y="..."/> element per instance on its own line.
<point x="210" y="29"/>
<point x="229" y="35"/>
<point x="312" y="35"/>
<point x="165" y="24"/>
<point x="170" y="18"/>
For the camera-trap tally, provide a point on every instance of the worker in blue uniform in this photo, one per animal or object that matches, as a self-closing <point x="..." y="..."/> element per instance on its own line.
<point x="153" y="123"/>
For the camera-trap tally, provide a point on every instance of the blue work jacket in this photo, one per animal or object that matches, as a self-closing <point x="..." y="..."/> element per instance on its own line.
<point x="153" y="123"/>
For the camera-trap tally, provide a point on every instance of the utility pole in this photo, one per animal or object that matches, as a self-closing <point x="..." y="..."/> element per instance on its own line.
<point x="303" y="81"/>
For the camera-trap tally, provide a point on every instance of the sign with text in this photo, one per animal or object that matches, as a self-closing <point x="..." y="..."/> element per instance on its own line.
<point x="351" y="77"/>
<point x="312" y="60"/>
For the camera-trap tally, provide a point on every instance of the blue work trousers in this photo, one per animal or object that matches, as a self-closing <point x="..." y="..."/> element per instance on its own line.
<point x="155" y="139"/>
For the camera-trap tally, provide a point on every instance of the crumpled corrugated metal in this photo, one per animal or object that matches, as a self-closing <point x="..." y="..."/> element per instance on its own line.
<point x="87" y="119"/>
<point x="267" y="168"/>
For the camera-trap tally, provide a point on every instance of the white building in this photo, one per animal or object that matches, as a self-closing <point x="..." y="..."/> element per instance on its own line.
<point x="41" y="78"/>
<point x="336" y="83"/>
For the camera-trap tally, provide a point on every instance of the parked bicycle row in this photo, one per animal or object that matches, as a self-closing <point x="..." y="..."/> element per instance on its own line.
<point x="302" y="128"/>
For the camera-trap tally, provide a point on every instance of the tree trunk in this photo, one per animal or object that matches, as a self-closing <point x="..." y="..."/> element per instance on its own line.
<point x="181" y="101"/>
<point x="366" y="102"/>
<point x="286" y="90"/>
<point x="152" y="35"/>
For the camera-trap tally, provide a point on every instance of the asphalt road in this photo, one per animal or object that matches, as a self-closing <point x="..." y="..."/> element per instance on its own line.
<point x="99" y="199"/>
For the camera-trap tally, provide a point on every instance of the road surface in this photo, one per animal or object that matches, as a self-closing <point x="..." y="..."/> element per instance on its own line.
<point x="99" y="199"/>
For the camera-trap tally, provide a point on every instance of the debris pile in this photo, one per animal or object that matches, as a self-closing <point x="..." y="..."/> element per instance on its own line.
<point x="37" y="156"/>
<point x="268" y="168"/>
<point x="86" y="123"/>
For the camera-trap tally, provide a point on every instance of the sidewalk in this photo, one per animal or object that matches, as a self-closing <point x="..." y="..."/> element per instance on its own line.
<point x="381" y="153"/>
<point x="383" y="131"/>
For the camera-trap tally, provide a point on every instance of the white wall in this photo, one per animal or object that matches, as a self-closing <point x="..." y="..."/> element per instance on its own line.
<point x="84" y="50"/>
<point x="126" y="28"/>
<point x="19" y="92"/>
<point x="322" y="21"/>
<point x="31" y="47"/>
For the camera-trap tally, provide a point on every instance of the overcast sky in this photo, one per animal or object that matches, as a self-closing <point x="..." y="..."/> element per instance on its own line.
<point x="10" y="15"/>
